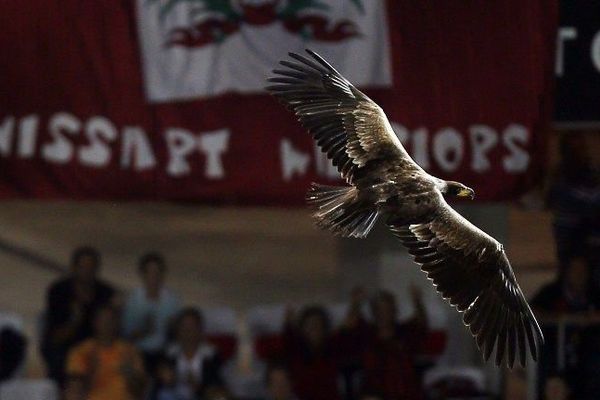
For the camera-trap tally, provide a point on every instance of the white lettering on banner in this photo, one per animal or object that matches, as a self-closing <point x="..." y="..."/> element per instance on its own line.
<point x="483" y="139"/>
<point x="6" y="135"/>
<point x="130" y="147"/>
<point x="214" y="144"/>
<point x="448" y="149"/>
<point x="401" y="132"/>
<point x="595" y="51"/>
<point x="182" y="143"/>
<point x="97" y="153"/>
<point x="60" y="150"/>
<point x="323" y="165"/>
<point x="28" y="128"/>
<point x="518" y="159"/>
<point x="567" y="33"/>
<point x="420" y="148"/>
<point x="136" y="150"/>
<point x="564" y="33"/>
<point x="419" y="151"/>
<point x="293" y="162"/>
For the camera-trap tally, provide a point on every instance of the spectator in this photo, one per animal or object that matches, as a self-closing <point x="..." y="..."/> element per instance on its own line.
<point x="150" y="309"/>
<point x="390" y="359"/>
<point x="571" y="294"/>
<point x="571" y="301"/>
<point x="575" y="199"/>
<point x="197" y="363"/>
<point x="278" y="383"/>
<point x="70" y="304"/>
<point x="166" y="381"/>
<point x="310" y="355"/>
<point x="111" y="367"/>
<point x="350" y="339"/>
<point x="13" y="347"/>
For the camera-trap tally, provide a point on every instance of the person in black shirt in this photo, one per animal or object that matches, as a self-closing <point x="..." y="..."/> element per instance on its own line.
<point x="571" y="302"/>
<point x="70" y="303"/>
<point x="198" y="364"/>
<point x="571" y="293"/>
<point x="13" y="347"/>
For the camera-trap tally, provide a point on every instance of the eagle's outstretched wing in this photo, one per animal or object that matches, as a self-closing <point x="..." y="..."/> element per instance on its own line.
<point x="470" y="269"/>
<point x="348" y="126"/>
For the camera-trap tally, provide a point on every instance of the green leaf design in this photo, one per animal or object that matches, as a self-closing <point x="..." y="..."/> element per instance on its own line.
<point x="359" y="5"/>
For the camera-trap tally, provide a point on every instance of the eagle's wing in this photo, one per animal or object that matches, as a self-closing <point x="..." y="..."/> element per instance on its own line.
<point x="348" y="126"/>
<point x="470" y="269"/>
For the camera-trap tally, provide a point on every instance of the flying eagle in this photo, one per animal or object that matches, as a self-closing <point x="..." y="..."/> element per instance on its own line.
<point x="467" y="267"/>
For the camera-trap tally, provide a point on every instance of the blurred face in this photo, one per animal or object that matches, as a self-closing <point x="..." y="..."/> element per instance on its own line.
<point x="577" y="275"/>
<point x="313" y="330"/>
<point x="86" y="269"/>
<point x="189" y="331"/>
<point x="153" y="275"/>
<point x="106" y="325"/>
<point x="279" y="385"/>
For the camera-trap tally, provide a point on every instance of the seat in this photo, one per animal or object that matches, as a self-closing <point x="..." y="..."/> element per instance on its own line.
<point x="455" y="382"/>
<point x="265" y="325"/>
<point x="220" y="325"/>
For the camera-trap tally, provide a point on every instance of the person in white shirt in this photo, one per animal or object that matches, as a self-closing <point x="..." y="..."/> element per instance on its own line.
<point x="150" y="309"/>
<point x="197" y="363"/>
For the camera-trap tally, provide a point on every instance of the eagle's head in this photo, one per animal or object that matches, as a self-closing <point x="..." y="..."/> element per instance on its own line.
<point x="457" y="189"/>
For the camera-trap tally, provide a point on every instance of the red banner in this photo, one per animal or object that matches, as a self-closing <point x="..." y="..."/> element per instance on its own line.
<point x="163" y="100"/>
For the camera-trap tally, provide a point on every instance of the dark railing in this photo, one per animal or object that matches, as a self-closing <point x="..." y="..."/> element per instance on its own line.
<point x="31" y="257"/>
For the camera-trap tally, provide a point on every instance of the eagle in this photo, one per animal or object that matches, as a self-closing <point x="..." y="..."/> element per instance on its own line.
<point x="468" y="267"/>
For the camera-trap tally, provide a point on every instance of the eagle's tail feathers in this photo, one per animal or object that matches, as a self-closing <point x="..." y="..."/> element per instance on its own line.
<point x="340" y="210"/>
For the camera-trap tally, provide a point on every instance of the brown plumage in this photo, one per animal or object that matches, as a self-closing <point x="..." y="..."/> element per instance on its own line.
<point x="467" y="267"/>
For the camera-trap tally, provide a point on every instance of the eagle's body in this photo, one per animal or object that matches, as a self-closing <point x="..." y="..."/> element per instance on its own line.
<point x="468" y="267"/>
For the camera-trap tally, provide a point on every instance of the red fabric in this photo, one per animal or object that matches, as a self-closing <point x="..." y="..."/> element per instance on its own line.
<point x="434" y="344"/>
<point x="314" y="375"/>
<point x="389" y="364"/>
<point x="269" y="347"/>
<point x="315" y="378"/>
<point x="455" y="64"/>
<point x="226" y="344"/>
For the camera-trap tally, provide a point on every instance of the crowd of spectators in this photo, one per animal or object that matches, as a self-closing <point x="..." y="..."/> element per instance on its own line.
<point x="100" y="344"/>
<point x="569" y="306"/>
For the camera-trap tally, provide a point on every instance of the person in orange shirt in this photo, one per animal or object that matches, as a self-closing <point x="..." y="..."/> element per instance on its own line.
<point x="111" y="367"/>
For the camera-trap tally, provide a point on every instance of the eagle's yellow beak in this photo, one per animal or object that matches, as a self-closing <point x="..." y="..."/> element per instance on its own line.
<point x="467" y="192"/>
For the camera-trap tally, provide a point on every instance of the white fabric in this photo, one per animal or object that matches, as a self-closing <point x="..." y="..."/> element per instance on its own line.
<point x="266" y="319"/>
<point x="29" y="389"/>
<point x="436" y="374"/>
<point x="219" y="320"/>
<point x="186" y="367"/>
<point x="241" y="61"/>
<point x="11" y="320"/>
